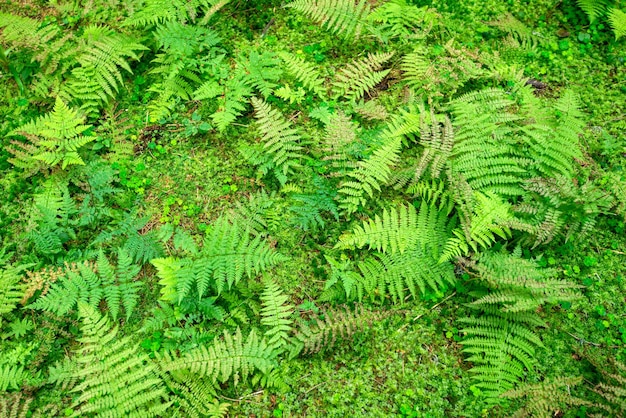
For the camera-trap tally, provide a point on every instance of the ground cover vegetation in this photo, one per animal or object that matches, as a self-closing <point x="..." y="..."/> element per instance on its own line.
<point x="312" y="208"/>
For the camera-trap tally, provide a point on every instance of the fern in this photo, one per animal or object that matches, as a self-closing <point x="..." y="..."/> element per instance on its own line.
<point x="275" y="315"/>
<point x="517" y="30"/>
<point x="11" y="288"/>
<point x="158" y="11"/>
<point x="546" y="398"/>
<point x="395" y="231"/>
<point x="305" y="73"/>
<point x="617" y="19"/>
<point x="54" y="139"/>
<point x="328" y="328"/>
<point x="397" y="20"/>
<point x="488" y="222"/>
<point x="500" y="348"/>
<point x="359" y="77"/>
<point x="593" y="8"/>
<point x="343" y="17"/>
<point x="485" y="152"/>
<point x="501" y="343"/>
<point x="188" y="52"/>
<point x="98" y="75"/>
<point x="612" y="390"/>
<point x="368" y="175"/>
<point x="233" y="357"/>
<point x="261" y="71"/>
<point x="228" y="253"/>
<point x="410" y="243"/>
<point x="11" y="376"/>
<point x="554" y="145"/>
<point x="281" y="143"/>
<point x="115" y="378"/>
<point x="90" y="284"/>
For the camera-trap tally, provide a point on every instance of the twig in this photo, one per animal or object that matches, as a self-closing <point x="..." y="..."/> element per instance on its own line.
<point x="436" y="305"/>
<point x="267" y="27"/>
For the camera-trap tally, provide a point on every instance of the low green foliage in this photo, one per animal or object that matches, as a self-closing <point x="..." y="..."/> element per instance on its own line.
<point x="312" y="208"/>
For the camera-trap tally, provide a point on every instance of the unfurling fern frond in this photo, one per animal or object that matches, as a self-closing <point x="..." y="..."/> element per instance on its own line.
<point x="276" y="314"/>
<point x="368" y="175"/>
<point x="359" y="77"/>
<point x="305" y="73"/>
<point x="343" y="17"/>
<point x="227" y="255"/>
<point x="281" y="142"/>
<point x="233" y="357"/>
<point x="330" y="326"/>
<point x="116" y="378"/>
<point x="54" y="138"/>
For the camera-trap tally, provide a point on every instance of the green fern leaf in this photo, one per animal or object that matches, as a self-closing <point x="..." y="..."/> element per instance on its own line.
<point x="343" y="17"/>
<point x="275" y="314"/>
<point x="233" y="357"/>
<point x="117" y="379"/>
<point x="305" y="73"/>
<point x="359" y="77"/>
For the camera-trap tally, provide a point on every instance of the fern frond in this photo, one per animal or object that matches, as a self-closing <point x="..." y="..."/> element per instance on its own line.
<point x="275" y="314"/>
<point x="11" y="376"/>
<point x="228" y="253"/>
<point x="369" y="175"/>
<point x="395" y="231"/>
<point x="343" y="17"/>
<point x="55" y="138"/>
<point x="305" y="73"/>
<point x="396" y="19"/>
<point x="488" y="222"/>
<point x="118" y="380"/>
<point x="617" y="19"/>
<point x="500" y="350"/>
<point x="330" y="326"/>
<point x="546" y="398"/>
<point x="593" y="8"/>
<point x="281" y="142"/>
<point x="90" y="284"/>
<point x="416" y="270"/>
<point x="359" y="77"/>
<point x="231" y="357"/>
<point x="11" y="288"/>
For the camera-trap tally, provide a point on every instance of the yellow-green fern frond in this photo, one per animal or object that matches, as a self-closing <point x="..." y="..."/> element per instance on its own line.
<point x="275" y="314"/>
<point x="231" y="357"/>
<point x="343" y="17"/>
<point x="305" y="73"/>
<point x="359" y="77"/>
<point x="54" y="138"/>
